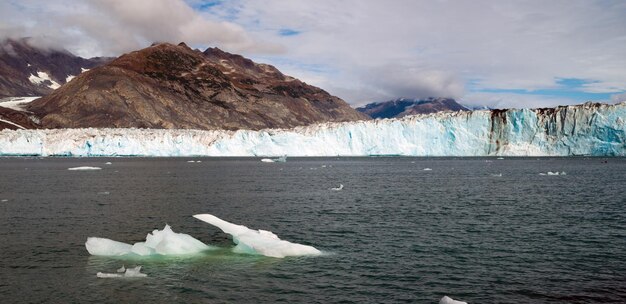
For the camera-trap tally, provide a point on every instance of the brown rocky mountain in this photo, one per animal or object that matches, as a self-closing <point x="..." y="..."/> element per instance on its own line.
<point x="27" y="70"/>
<point x="173" y="86"/>
<point x="404" y="107"/>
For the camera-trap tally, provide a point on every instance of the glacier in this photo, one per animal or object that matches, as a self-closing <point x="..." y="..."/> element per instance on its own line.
<point x="587" y="129"/>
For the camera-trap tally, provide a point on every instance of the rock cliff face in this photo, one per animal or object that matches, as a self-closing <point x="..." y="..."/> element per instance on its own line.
<point x="174" y="87"/>
<point x="589" y="129"/>
<point x="405" y="107"/>
<point x="27" y="70"/>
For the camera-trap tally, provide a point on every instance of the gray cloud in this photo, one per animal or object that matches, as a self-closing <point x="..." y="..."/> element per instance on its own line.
<point x="367" y="50"/>
<point x="111" y="27"/>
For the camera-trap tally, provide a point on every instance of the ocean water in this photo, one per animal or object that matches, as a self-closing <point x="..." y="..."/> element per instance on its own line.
<point x="395" y="234"/>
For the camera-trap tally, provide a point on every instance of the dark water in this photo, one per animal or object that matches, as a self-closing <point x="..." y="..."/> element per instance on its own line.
<point x="395" y="233"/>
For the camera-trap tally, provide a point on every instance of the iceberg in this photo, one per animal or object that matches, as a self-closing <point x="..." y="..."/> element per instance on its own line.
<point x="260" y="242"/>
<point x="588" y="129"/>
<point x="159" y="242"/>
<point x="84" y="168"/>
<point x="448" y="300"/>
<point x="124" y="273"/>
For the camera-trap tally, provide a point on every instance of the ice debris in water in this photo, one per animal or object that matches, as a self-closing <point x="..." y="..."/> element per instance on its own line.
<point x="122" y="269"/>
<point x="108" y="163"/>
<point x="258" y="241"/>
<point x="428" y="169"/>
<point x="554" y="173"/>
<point x="497" y="174"/>
<point x="281" y="159"/>
<point x="83" y="168"/>
<point x="448" y="300"/>
<point x="127" y="273"/>
<point x="338" y="188"/>
<point x="159" y="242"/>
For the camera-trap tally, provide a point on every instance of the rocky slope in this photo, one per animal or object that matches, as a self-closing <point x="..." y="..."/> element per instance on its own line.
<point x="27" y="70"/>
<point x="174" y="87"/>
<point x="404" y="107"/>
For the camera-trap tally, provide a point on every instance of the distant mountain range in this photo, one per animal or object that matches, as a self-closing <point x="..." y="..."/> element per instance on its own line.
<point x="404" y="107"/>
<point x="162" y="86"/>
<point x="26" y="70"/>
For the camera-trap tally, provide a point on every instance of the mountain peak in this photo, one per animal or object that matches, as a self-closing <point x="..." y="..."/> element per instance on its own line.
<point x="173" y="86"/>
<point x="401" y="107"/>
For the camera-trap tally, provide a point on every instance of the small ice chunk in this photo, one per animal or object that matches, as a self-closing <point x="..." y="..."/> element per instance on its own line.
<point x="159" y="242"/>
<point x="123" y="269"/>
<point x="128" y="273"/>
<point x="497" y="174"/>
<point x="261" y="242"/>
<point x="4" y="200"/>
<point x="500" y="158"/>
<point x="84" y="168"/>
<point x="448" y="300"/>
<point x="191" y="161"/>
<point x="267" y="160"/>
<point x="338" y="188"/>
<point x="428" y="169"/>
<point x="108" y="163"/>
<point x="553" y="173"/>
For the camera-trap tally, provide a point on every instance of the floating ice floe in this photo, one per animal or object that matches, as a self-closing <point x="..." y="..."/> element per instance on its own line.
<point x="338" y="188"/>
<point x="500" y="158"/>
<point x="4" y="200"/>
<point x="124" y="273"/>
<point x="108" y="163"/>
<point x="84" y="168"/>
<point x="428" y="169"/>
<point x="281" y="159"/>
<point x="497" y="175"/>
<point x="448" y="300"/>
<point x="553" y="173"/>
<point x="191" y="161"/>
<point x="260" y="242"/>
<point x="159" y="242"/>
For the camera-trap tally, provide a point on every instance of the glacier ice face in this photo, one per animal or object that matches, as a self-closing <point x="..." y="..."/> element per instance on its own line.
<point x="261" y="242"/>
<point x="159" y="242"/>
<point x="589" y="129"/>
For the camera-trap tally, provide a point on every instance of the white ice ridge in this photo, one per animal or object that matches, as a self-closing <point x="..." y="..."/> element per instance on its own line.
<point x="448" y="300"/>
<point x="159" y="242"/>
<point x="258" y="241"/>
<point x="84" y="168"/>
<point x="125" y="273"/>
<point x="588" y="129"/>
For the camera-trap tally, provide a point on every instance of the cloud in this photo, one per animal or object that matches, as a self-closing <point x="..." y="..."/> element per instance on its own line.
<point x="372" y="50"/>
<point x="617" y="98"/>
<point x="439" y="47"/>
<point x="111" y="27"/>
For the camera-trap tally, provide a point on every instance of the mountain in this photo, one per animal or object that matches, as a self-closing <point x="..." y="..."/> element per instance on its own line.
<point x="27" y="70"/>
<point x="404" y="107"/>
<point x="588" y="129"/>
<point x="174" y="87"/>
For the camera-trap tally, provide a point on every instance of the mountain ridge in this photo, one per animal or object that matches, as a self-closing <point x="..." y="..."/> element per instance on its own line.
<point x="172" y="86"/>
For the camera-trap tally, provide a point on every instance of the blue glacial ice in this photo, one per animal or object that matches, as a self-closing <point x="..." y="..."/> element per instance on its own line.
<point x="588" y="129"/>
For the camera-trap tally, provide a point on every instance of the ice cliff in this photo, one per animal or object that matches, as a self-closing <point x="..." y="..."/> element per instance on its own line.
<point x="588" y="129"/>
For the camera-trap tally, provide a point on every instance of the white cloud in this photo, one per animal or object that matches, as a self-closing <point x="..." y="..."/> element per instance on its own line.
<point x="368" y="50"/>
<point x="526" y="45"/>
<point x="111" y="27"/>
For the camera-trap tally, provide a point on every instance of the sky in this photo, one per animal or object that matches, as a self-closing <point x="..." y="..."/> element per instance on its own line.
<point x="498" y="54"/>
